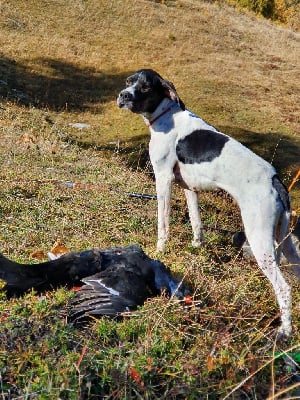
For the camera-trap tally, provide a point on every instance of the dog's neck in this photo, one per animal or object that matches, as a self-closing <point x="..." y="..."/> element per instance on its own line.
<point x="163" y="108"/>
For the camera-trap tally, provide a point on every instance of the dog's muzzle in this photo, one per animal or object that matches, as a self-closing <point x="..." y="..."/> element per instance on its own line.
<point x="125" y="99"/>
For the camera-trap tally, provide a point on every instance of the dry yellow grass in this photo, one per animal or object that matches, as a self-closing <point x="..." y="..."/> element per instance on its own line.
<point x="194" y="43"/>
<point x="238" y="72"/>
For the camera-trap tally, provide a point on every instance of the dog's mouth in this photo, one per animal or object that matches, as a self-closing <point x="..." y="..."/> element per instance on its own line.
<point x="127" y="104"/>
<point x="122" y="104"/>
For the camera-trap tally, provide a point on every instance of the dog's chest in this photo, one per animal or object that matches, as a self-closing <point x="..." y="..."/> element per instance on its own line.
<point x="162" y="150"/>
<point x="174" y="137"/>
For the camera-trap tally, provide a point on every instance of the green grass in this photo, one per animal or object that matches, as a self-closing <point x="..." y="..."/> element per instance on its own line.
<point x="70" y="60"/>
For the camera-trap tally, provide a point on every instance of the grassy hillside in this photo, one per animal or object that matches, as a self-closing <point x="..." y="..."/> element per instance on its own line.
<point x="282" y="11"/>
<point x="65" y="62"/>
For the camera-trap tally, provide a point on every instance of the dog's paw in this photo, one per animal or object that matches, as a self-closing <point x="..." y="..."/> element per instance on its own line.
<point x="198" y="243"/>
<point x="284" y="332"/>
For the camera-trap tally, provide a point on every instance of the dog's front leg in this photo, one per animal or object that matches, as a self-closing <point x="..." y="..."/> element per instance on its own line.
<point x="163" y="190"/>
<point x="194" y="213"/>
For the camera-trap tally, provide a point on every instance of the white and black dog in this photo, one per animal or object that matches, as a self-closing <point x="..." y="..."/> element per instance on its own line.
<point x="185" y="149"/>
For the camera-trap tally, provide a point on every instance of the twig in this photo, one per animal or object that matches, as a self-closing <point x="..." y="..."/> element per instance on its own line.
<point x="259" y="369"/>
<point x="296" y="177"/>
<point x="274" y="152"/>
<point x="288" y="389"/>
<point x="83" y="351"/>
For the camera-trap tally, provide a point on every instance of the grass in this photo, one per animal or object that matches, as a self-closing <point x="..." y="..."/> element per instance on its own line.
<point x="62" y="63"/>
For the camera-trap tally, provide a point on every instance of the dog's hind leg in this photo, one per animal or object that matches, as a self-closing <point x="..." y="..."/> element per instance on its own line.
<point x="261" y="240"/>
<point x="194" y="213"/>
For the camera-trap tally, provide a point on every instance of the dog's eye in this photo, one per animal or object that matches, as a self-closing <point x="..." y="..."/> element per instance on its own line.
<point x="145" y="89"/>
<point x="128" y="82"/>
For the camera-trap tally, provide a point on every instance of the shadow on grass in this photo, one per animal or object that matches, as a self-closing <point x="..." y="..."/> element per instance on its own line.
<point x="134" y="152"/>
<point x="57" y="85"/>
<point x="278" y="149"/>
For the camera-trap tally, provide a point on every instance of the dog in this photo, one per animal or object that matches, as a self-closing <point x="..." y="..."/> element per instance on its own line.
<point x="185" y="149"/>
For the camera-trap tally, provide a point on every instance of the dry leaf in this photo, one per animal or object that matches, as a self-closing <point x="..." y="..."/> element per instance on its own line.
<point x="210" y="362"/>
<point x="54" y="149"/>
<point x="135" y="376"/>
<point x="188" y="300"/>
<point x="38" y="255"/>
<point x="59" y="249"/>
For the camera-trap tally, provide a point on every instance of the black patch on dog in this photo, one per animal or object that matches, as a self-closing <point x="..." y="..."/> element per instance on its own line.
<point x="200" y="146"/>
<point x="282" y="192"/>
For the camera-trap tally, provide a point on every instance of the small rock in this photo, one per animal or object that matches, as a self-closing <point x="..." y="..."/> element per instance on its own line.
<point x="79" y="125"/>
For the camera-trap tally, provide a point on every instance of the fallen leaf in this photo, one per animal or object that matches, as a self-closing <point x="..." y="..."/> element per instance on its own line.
<point x="38" y="254"/>
<point x="188" y="300"/>
<point x="135" y="376"/>
<point x="59" y="248"/>
<point x="210" y="362"/>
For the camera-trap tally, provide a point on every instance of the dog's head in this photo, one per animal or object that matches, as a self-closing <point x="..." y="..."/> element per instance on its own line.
<point x="145" y="90"/>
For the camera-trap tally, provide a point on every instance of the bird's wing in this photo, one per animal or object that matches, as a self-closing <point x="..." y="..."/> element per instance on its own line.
<point x="96" y="299"/>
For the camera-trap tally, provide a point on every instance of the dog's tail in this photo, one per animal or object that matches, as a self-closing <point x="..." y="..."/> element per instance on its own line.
<point x="284" y="221"/>
<point x="282" y="232"/>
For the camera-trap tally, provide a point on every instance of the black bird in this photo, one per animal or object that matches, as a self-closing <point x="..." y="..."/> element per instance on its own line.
<point x="129" y="277"/>
<point x="114" y="280"/>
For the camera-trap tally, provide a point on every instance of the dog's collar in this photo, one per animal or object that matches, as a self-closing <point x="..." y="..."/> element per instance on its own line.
<point x="150" y="123"/>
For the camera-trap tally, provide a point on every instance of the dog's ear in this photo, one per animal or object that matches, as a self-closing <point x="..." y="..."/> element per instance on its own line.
<point x="171" y="92"/>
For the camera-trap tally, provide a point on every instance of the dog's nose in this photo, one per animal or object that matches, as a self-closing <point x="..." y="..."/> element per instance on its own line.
<point x="125" y="95"/>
